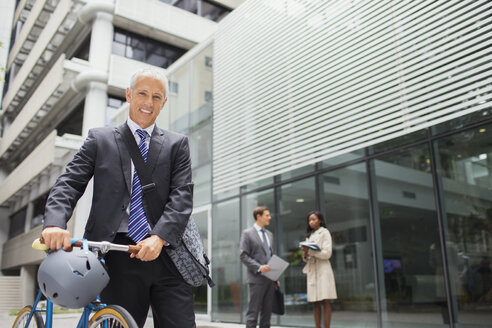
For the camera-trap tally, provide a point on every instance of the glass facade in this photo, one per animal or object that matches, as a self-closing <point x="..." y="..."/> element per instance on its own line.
<point x="189" y="111"/>
<point x="464" y="178"/>
<point x="390" y="208"/>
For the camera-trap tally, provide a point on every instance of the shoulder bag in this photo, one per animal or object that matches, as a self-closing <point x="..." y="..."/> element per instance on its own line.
<point x="188" y="254"/>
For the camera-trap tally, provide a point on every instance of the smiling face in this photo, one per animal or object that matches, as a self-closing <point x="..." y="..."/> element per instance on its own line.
<point x="146" y="100"/>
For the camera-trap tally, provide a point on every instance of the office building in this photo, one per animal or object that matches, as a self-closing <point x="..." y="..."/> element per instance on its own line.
<point x="376" y="113"/>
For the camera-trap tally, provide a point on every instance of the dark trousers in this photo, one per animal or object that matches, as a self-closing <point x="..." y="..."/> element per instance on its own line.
<point x="260" y="302"/>
<point x="135" y="285"/>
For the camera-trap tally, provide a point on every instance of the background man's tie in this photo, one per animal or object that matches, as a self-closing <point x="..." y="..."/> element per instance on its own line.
<point x="265" y="245"/>
<point x="137" y="224"/>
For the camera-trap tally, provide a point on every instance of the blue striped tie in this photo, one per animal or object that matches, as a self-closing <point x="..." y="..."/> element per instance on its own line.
<point x="137" y="224"/>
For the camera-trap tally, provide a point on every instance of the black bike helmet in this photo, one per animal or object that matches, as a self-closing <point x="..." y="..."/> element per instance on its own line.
<point x="72" y="279"/>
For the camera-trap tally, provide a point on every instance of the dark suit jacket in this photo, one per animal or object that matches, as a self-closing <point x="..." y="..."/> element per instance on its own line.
<point x="253" y="255"/>
<point x="105" y="157"/>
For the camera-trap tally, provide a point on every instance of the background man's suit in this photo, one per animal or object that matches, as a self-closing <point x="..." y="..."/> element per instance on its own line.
<point x="253" y="255"/>
<point x="105" y="157"/>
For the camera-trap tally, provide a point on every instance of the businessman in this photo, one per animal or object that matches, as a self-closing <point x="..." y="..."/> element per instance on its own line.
<point x="256" y="249"/>
<point x="117" y="213"/>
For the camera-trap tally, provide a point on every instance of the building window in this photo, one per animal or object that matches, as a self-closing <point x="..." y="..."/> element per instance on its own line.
<point x="208" y="61"/>
<point x="113" y="105"/>
<point x="173" y="87"/>
<point x="38" y="210"/>
<point x="72" y="124"/>
<point x="82" y="51"/>
<point x="213" y="11"/>
<point x="17" y="222"/>
<point x="204" y="8"/>
<point x="141" y="48"/>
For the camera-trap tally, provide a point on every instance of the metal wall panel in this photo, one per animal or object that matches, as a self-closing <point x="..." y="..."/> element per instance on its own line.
<point x="300" y="81"/>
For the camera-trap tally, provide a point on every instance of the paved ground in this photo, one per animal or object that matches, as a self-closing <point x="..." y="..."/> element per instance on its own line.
<point x="70" y="320"/>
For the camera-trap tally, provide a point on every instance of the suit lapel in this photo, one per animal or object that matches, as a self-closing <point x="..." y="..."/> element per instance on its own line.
<point x="124" y="156"/>
<point x="156" y="142"/>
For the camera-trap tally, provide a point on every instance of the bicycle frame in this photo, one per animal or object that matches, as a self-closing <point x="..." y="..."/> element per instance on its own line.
<point x="84" y="318"/>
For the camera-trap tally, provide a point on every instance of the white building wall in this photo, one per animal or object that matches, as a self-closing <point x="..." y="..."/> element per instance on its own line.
<point x="6" y="16"/>
<point x="298" y="82"/>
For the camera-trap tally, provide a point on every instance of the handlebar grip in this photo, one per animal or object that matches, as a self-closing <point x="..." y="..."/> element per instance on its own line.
<point x="38" y="245"/>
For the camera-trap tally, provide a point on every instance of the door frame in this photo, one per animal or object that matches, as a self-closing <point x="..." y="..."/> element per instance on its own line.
<point x="208" y="210"/>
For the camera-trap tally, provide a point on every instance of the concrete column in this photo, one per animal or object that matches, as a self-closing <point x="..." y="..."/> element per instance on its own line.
<point x="101" y="41"/>
<point x="95" y="107"/>
<point x="29" y="211"/>
<point x="95" y="101"/>
<point x="99" y="55"/>
<point x="28" y="283"/>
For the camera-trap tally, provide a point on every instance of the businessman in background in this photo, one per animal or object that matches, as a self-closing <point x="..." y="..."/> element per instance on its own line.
<point x="256" y="249"/>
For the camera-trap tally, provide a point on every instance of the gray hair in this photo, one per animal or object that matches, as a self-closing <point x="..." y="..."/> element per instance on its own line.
<point x="149" y="72"/>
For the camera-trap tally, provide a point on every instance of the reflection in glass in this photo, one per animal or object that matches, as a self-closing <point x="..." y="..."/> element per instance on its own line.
<point x="202" y="179"/>
<point x="354" y="155"/>
<point x="296" y="199"/>
<point x="297" y="172"/>
<point x="344" y="198"/>
<point x="463" y="121"/>
<point x="201" y="145"/>
<point x="258" y="184"/>
<point x="179" y="103"/>
<point x="201" y="101"/>
<point x="464" y="166"/>
<point x="410" y="271"/>
<point x="226" y="303"/>
<point x="397" y="142"/>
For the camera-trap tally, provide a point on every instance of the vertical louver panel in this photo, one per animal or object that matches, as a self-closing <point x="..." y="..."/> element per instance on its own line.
<point x="299" y="81"/>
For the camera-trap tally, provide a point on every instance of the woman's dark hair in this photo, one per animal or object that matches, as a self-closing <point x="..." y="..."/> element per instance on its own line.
<point x="309" y="231"/>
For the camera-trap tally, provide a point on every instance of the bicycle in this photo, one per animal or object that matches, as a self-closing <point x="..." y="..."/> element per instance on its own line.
<point x="105" y="316"/>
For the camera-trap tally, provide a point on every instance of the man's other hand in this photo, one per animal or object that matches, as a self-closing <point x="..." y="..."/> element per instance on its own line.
<point x="151" y="248"/>
<point x="265" y="268"/>
<point x="56" y="237"/>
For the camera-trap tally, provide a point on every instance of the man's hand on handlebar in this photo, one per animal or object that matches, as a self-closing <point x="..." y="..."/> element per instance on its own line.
<point x="56" y="237"/>
<point x="151" y="248"/>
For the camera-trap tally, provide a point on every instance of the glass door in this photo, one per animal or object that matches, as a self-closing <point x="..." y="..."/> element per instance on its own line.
<point x="202" y="294"/>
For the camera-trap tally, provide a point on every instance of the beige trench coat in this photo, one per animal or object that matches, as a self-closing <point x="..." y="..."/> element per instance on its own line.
<point x="320" y="279"/>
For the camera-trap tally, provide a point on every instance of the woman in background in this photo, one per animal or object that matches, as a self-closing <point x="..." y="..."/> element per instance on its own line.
<point x="320" y="280"/>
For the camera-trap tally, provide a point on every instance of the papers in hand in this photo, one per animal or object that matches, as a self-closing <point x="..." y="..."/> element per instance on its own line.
<point x="277" y="266"/>
<point x="313" y="246"/>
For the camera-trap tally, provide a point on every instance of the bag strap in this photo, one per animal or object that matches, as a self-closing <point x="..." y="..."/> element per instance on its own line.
<point x="153" y="205"/>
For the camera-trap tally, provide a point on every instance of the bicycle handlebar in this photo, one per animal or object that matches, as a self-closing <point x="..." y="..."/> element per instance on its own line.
<point x="102" y="246"/>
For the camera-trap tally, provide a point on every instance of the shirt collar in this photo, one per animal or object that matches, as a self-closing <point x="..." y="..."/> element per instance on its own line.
<point x="257" y="227"/>
<point x="134" y="127"/>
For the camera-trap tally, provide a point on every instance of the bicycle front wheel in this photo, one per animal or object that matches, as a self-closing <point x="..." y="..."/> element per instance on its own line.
<point x="112" y="316"/>
<point x="21" y="319"/>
